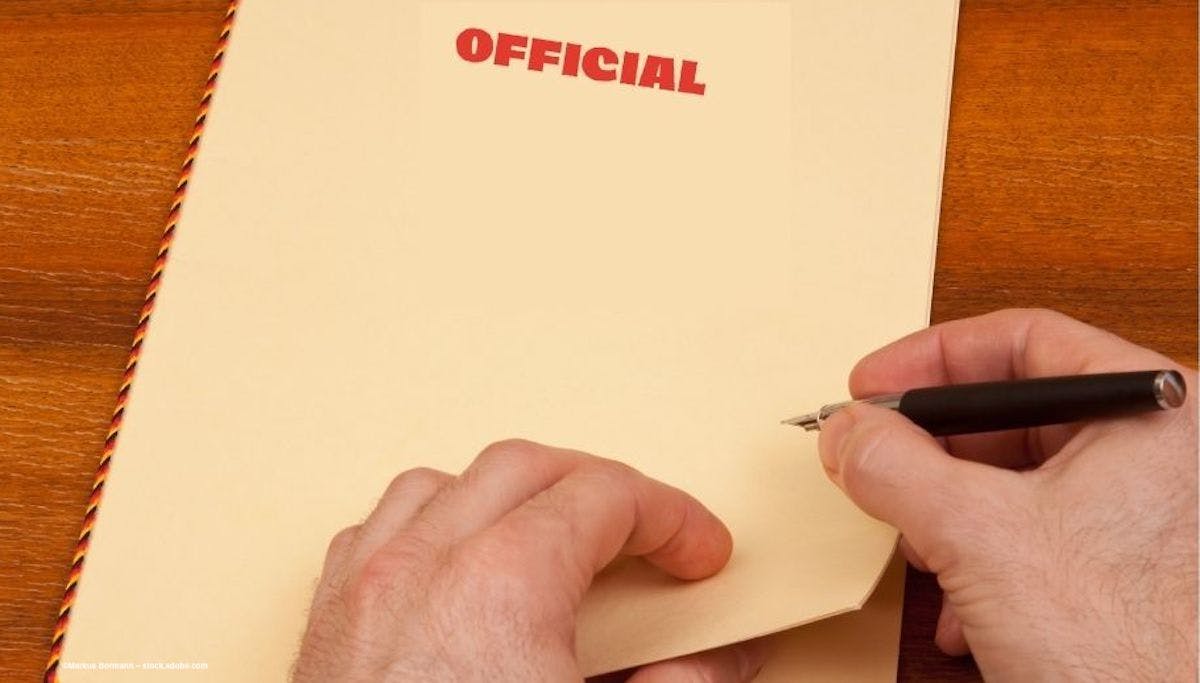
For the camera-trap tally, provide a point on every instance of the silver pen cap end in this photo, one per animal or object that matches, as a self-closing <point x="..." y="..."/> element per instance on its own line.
<point x="1169" y="389"/>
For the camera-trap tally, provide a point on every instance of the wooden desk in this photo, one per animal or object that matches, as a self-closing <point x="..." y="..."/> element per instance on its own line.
<point x="1070" y="183"/>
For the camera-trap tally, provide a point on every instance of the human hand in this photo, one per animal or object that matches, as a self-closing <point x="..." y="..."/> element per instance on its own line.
<point x="1066" y="551"/>
<point x="478" y="577"/>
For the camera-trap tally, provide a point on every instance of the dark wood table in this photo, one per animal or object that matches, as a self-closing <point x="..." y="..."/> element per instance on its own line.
<point x="1070" y="183"/>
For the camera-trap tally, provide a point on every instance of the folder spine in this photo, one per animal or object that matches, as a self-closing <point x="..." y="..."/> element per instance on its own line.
<point x="139" y="335"/>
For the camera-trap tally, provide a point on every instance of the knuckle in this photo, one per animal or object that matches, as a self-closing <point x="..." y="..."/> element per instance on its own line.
<point x="1047" y="314"/>
<point x="610" y="485"/>
<point x="416" y="479"/>
<point x="367" y="589"/>
<point x="549" y="534"/>
<point x="406" y="558"/>
<point x="612" y="474"/>
<point x="549" y="509"/>
<point x="1037" y="316"/>
<point x="483" y="556"/>
<point x="507" y="570"/>
<point x="515" y="578"/>
<point x="342" y="541"/>
<point x="377" y="572"/>
<point x="508" y="450"/>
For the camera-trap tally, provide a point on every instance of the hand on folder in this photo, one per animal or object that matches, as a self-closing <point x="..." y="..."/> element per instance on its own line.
<point x="479" y="577"/>
<point x="1063" y="550"/>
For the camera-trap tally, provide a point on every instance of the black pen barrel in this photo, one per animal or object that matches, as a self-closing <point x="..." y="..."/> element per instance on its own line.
<point x="993" y="406"/>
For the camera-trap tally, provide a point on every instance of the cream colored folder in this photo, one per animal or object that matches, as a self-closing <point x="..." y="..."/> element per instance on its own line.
<point x="392" y="255"/>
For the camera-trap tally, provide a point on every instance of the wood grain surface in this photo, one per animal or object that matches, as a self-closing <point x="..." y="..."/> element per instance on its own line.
<point x="1070" y="183"/>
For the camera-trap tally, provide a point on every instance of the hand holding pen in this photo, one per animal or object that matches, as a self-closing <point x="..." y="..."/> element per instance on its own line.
<point x="1059" y="545"/>
<point x="1022" y="403"/>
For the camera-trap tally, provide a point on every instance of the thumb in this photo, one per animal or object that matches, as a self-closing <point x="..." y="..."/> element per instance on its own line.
<point x="897" y="473"/>
<point x="736" y="663"/>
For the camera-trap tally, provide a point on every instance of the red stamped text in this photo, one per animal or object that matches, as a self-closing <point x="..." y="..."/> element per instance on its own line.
<point x="572" y="59"/>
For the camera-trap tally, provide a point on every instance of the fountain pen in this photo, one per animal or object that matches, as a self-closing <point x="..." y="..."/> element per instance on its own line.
<point x="995" y="406"/>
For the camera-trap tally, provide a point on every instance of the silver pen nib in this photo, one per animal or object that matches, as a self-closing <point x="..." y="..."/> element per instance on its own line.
<point x="811" y="422"/>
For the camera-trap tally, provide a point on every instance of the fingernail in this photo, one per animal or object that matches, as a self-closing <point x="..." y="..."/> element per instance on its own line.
<point x="833" y="432"/>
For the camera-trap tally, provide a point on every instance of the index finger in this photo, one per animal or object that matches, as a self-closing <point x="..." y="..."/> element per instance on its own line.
<point x="1004" y="345"/>
<point x="1009" y="344"/>
<point x="603" y="509"/>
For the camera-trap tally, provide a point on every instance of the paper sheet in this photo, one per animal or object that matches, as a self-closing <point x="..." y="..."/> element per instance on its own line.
<point x="860" y="646"/>
<point x="391" y="256"/>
